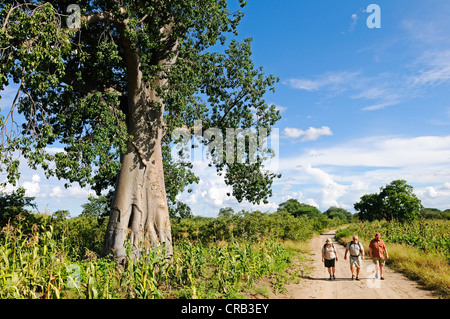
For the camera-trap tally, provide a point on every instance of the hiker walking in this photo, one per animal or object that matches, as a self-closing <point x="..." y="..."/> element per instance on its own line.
<point x="378" y="253"/>
<point x="356" y="251"/>
<point x="329" y="256"/>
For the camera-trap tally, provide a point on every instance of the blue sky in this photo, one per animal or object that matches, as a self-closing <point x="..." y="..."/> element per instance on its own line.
<point x="360" y="107"/>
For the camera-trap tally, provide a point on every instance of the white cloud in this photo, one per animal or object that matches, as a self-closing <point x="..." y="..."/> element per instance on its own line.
<point x="318" y="176"/>
<point x="384" y="89"/>
<point x="78" y="192"/>
<point x="7" y="189"/>
<point x="341" y="174"/>
<point x="382" y="105"/>
<point x="435" y="70"/>
<point x="32" y="188"/>
<point x="293" y="132"/>
<point x="428" y="25"/>
<point x="56" y="192"/>
<point x="311" y="134"/>
<point x="330" y="191"/>
<point x="442" y="190"/>
<point x="311" y="202"/>
<point x="303" y="84"/>
<point x="210" y="194"/>
<point x="54" y="150"/>
<point x="370" y="93"/>
<point x="378" y="151"/>
<point x="331" y="80"/>
<point x="436" y="196"/>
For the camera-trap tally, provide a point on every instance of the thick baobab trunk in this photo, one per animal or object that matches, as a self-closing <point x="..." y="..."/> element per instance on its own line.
<point x="140" y="203"/>
<point x="140" y="206"/>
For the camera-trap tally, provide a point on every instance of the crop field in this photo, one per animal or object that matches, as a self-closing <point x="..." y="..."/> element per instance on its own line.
<point x="429" y="236"/>
<point x="50" y="259"/>
<point x="226" y="257"/>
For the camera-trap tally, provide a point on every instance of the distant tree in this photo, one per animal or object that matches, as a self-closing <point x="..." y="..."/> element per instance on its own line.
<point x="96" y="207"/>
<point x="226" y="212"/>
<point x="295" y="208"/>
<point x="60" y="215"/>
<point x="341" y="213"/>
<point x="368" y="207"/>
<point x="434" y="213"/>
<point x="395" y="201"/>
<point x="446" y="214"/>
<point x="14" y="204"/>
<point x="431" y="213"/>
<point x="180" y="210"/>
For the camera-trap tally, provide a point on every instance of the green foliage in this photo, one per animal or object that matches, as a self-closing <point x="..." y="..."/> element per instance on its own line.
<point x="11" y="205"/>
<point x="341" y="213"/>
<point x="434" y="213"/>
<point x="60" y="215"/>
<point x="56" y="257"/>
<point x="97" y="207"/>
<point x="83" y="234"/>
<point x="180" y="210"/>
<point x="74" y="86"/>
<point x="294" y="207"/>
<point x="226" y="212"/>
<point x="249" y="225"/>
<point x="225" y="268"/>
<point x="46" y="262"/>
<point x="430" y="236"/>
<point x="395" y="201"/>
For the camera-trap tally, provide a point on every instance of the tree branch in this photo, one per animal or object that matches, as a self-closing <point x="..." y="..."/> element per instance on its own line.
<point x="103" y="16"/>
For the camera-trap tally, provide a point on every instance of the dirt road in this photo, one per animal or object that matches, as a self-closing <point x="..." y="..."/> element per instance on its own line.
<point x="317" y="285"/>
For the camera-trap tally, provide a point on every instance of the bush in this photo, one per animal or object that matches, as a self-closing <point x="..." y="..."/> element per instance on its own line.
<point x="249" y="225"/>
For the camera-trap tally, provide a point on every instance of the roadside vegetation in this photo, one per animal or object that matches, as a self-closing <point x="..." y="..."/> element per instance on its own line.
<point x="418" y="238"/>
<point x="233" y="255"/>
<point x="54" y="256"/>
<point x="420" y="249"/>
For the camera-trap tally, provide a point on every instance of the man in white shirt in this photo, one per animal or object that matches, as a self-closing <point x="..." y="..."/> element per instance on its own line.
<point x="356" y="250"/>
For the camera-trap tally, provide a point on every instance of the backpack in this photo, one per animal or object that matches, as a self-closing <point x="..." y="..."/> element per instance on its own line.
<point x="357" y="243"/>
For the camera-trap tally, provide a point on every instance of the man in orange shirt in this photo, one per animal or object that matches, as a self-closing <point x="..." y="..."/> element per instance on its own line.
<point x="378" y="252"/>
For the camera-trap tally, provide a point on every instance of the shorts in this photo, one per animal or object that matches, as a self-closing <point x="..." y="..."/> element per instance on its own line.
<point x="355" y="261"/>
<point x="379" y="261"/>
<point x="330" y="262"/>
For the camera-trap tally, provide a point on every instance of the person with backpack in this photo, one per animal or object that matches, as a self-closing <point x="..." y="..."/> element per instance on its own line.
<point x="329" y="256"/>
<point x="356" y="251"/>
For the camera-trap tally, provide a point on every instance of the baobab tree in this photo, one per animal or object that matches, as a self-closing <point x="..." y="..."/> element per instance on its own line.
<point x="103" y="84"/>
